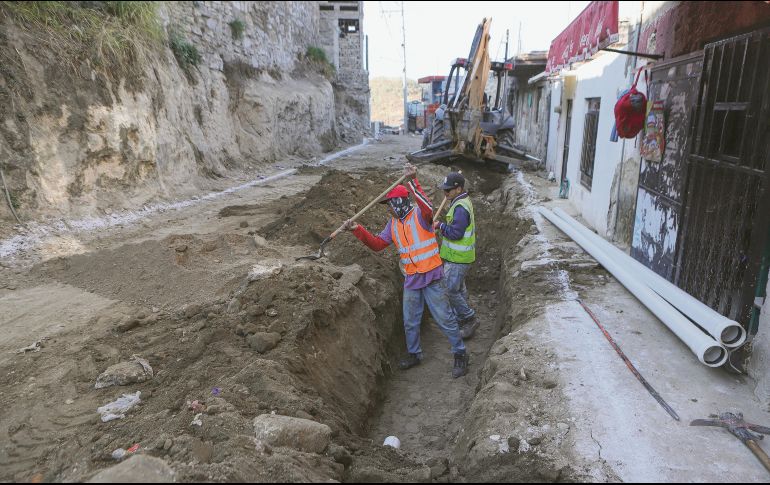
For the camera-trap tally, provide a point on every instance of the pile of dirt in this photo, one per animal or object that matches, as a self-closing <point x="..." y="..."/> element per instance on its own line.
<point x="170" y="273"/>
<point x="319" y="212"/>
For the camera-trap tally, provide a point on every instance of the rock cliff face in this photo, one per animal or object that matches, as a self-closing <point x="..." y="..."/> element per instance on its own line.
<point x="77" y="140"/>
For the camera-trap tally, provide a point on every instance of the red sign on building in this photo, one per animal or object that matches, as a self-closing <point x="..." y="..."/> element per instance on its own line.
<point x="595" y="28"/>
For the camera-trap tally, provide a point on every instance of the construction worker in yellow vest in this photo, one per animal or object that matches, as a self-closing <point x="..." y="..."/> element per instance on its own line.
<point x="458" y="249"/>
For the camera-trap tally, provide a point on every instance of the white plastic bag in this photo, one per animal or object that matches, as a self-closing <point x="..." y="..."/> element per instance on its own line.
<point x="118" y="408"/>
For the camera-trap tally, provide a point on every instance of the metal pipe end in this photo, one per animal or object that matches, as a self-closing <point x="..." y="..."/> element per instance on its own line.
<point x="714" y="356"/>
<point x="733" y="336"/>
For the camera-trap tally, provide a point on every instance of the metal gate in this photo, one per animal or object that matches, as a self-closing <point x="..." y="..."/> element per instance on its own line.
<point x="727" y="202"/>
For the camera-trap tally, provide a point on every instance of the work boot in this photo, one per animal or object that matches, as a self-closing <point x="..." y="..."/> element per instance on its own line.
<point x="409" y="361"/>
<point x="468" y="327"/>
<point x="461" y="365"/>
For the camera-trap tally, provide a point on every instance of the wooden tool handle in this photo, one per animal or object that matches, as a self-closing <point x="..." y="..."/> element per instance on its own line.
<point x="759" y="453"/>
<point x="440" y="208"/>
<point x="369" y="206"/>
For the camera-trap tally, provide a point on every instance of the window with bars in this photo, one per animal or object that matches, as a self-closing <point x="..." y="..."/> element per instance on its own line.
<point x="590" y="128"/>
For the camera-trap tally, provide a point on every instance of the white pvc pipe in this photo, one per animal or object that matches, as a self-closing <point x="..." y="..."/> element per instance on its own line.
<point x="706" y="349"/>
<point x="729" y="332"/>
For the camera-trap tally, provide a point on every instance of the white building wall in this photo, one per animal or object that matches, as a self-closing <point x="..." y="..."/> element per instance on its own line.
<point x="604" y="77"/>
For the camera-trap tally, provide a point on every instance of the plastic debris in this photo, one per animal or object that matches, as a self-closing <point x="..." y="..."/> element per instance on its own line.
<point x="35" y="347"/>
<point x="120" y="453"/>
<point x="216" y="391"/>
<point x="196" y="406"/>
<point x="118" y="408"/>
<point x="393" y="442"/>
<point x="197" y="420"/>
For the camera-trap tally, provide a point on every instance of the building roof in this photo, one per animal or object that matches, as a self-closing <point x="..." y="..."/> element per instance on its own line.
<point x="529" y="64"/>
<point x="430" y="79"/>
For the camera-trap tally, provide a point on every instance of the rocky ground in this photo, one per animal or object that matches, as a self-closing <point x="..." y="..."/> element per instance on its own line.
<point x="253" y="366"/>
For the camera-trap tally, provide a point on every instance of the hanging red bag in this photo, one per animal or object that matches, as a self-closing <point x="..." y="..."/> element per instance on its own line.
<point x="630" y="111"/>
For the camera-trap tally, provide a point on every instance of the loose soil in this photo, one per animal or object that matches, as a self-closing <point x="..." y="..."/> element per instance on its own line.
<point x="201" y="305"/>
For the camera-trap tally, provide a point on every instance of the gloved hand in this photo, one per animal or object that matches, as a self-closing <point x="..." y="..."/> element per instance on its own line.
<point x="410" y="171"/>
<point x="436" y="225"/>
<point x="350" y="225"/>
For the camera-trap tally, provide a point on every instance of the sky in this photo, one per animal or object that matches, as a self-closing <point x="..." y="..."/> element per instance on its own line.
<point x="438" y="32"/>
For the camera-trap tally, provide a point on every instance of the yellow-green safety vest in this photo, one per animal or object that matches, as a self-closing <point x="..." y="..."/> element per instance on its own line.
<point x="462" y="250"/>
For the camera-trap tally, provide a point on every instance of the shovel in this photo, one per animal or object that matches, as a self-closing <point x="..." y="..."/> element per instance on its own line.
<point x="326" y="241"/>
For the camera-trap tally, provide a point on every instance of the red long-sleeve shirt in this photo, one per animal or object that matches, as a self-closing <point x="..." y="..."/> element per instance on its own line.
<point x="385" y="238"/>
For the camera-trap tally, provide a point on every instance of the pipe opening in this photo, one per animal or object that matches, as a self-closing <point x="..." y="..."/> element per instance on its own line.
<point x="714" y="356"/>
<point x="732" y="335"/>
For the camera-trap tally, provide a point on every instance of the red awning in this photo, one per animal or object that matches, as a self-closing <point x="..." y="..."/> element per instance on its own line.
<point x="595" y="28"/>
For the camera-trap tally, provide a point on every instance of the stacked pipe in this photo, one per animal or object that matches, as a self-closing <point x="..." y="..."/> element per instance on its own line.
<point x="708" y="350"/>
<point x="729" y="332"/>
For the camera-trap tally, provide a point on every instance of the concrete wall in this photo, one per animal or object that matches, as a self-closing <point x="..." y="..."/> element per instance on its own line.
<point x="759" y="362"/>
<point x="676" y="28"/>
<point x="604" y="77"/>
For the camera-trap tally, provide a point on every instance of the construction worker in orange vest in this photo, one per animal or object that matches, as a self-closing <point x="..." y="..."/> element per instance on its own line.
<point x="411" y="231"/>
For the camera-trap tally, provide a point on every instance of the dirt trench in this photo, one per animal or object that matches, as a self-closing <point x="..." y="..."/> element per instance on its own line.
<point x="234" y="328"/>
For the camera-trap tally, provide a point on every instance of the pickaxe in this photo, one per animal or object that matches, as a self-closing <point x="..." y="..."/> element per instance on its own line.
<point x="742" y="430"/>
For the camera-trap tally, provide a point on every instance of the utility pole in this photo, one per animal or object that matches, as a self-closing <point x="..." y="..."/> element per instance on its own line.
<point x="519" y="51"/>
<point x="403" y="45"/>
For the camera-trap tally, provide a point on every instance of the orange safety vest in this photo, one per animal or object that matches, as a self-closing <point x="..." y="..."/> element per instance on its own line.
<point x="417" y="247"/>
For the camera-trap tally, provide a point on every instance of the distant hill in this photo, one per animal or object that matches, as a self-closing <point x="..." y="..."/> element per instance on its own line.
<point x="388" y="98"/>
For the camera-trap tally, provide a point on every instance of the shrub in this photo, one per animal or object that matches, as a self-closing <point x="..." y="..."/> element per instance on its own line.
<point x="237" y="27"/>
<point x="317" y="56"/>
<point x="186" y="53"/>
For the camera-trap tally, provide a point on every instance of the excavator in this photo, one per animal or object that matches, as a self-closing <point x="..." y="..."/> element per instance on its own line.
<point x="467" y="125"/>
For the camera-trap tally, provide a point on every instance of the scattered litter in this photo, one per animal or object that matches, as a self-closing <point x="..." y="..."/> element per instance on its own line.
<point x="196" y="406"/>
<point x="551" y="176"/>
<point x="260" y="271"/>
<point x="393" y="442"/>
<point x="197" y="420"/>
<point x="523" y="374"/>
<point x="495" y="437"/>
<point x="216" y="391"/>
<point x="68" y="402"/>
<point x="35" y="347"/>
<point x="118" y="408"/>
<point x="120" y="453"/>
<point x="272" y="312"/>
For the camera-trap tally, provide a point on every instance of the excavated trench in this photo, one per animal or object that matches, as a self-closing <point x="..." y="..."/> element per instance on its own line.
<point x="234" y="328"/>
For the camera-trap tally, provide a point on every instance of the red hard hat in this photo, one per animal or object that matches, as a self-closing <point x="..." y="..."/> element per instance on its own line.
<point x="398" y="191"/>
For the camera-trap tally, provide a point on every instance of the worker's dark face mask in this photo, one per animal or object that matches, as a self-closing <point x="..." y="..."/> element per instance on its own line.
<point x="401" y="206"/>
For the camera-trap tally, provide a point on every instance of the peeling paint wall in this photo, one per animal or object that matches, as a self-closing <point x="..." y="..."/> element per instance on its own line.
<point x="661" y="184"/>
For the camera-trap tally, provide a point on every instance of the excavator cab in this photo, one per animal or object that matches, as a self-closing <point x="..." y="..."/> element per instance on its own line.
<point x="471" y="122"/>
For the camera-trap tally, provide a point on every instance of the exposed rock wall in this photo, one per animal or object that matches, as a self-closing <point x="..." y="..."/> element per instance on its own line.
<point x="76" y="141"/>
